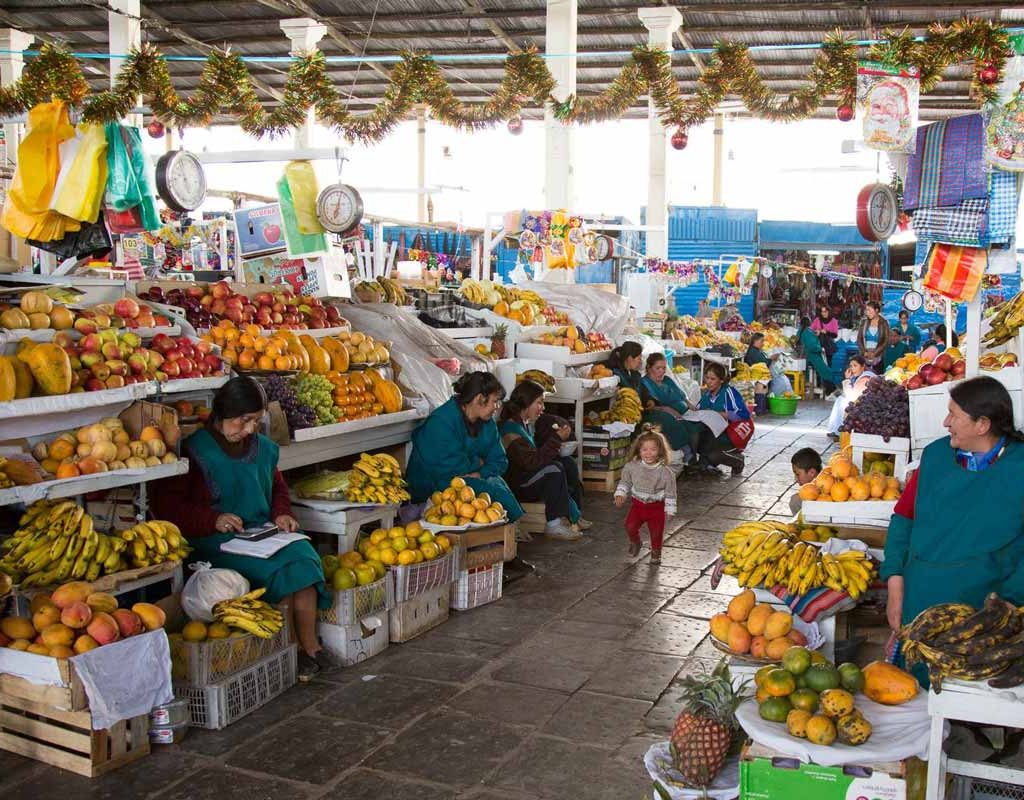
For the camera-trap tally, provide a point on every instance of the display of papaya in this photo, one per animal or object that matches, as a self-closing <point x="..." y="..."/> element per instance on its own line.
<point x="50" y="366"/>
<point x="8" y="380"/>
<point x="888" y="684"/>
<point x="319" y="358"/>
<point x="22" y="378"/>
<point x="388" y="395"/>
<point x="14" y="319"/>
<point x="295" y="348"/>
<point x="338" y="353"/>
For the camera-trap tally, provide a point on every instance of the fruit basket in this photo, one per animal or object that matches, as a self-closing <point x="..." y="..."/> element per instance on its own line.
<point x="414" y="579"/>
<point x="810" y="630"/>
<point x="352" y="605"/>
<point x="783" y="406"/>
<point x="205" y="663"/>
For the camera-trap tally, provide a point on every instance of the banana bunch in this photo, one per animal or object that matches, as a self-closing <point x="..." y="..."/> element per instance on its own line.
<point x="154" y="542"/>
<point x="482" y="293"/>
<point x="537" y="376"/>
<point x="394" y="292"/>
<point x="851" y="572"/>
<point x="56" y="542"/>
<point x="758" y="372"/>
<point x="5" y="481"/>
<point x="513" y="294"/>
<point x="626" y="406"/>
<point x="1007" y="318"/>
<point x="955" y="640"/>
<point x="250" y="614"/>
<point x="376" y="478"/>
<point x="323" y="484"/>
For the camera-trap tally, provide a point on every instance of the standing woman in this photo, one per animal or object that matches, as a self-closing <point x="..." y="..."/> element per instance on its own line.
<point x="721" y="397"/>
<point x="667" y="405"/>
<point x="826" y="328"/>
<point x="873" y="335"/>
<point x="460" y="439"/>
<point x="904" y="337"/>
<point x="234" y="484"/>
<point x="813" y="353"/>
<point x="541" y="473"/>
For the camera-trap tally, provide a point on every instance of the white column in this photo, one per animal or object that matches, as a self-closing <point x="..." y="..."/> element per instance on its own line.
<point x="560" y="38"/>
<point x="421" y="163"/>
<point x="11" y="65"/>
<point x="661" y="23"/>
<point x="304" y="34"/>
<point x="124" y="27"/>
<point x="716" y="175"/>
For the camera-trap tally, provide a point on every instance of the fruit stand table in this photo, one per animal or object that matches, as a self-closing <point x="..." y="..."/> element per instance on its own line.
<point x="578" y="405"/>
<point x="970" y="701"/>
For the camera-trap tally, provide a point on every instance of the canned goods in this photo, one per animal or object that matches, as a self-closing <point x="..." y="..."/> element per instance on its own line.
<point x="170" y="734"/>
<point x="170" y="714"/>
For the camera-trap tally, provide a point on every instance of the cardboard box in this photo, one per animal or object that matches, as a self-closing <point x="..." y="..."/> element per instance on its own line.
<point x="768" y="775"/>
<point x="602" y="451"/>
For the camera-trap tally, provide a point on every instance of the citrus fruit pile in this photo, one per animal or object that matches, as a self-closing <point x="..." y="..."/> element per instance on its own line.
<point x="460" y="505"/>
<point x="383" y="548"/>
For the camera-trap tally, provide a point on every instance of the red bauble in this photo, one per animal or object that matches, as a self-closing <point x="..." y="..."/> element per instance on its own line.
<point x="680" y="139"/>
<point x="515" y="126"/>
<point x="844" y="113"/>
<point x="155" y="129"/>
<point x="988" y="75"/>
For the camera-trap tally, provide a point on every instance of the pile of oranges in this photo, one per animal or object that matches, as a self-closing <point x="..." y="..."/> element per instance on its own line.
<point x="246" y="347"/>
<point x="840" y="481"/>
<point x="353" y="394"/>
<point x="459" y="505"/>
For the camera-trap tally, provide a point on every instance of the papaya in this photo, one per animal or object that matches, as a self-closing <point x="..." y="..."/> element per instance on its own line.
<point x="14" y="319"/>
<point x="338" y="353"/>
<point x="50" y="366"/>
<point x="8" y="380"/>
<point x="295" y="348"/>
<point x="22" y="378"/>
<point x="388" y="395"/>
<point x="888" y="684"/>
<point x="319" y="358"/>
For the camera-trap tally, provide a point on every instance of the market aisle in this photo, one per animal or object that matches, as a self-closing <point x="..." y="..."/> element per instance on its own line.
<point x="556" y="691"/>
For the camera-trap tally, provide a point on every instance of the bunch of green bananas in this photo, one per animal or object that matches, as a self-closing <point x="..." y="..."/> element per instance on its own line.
<point x="322" y="484"/>
<point x="955" y="640"/>
<point x="154" y="542"/>
<point x="394" y="292"/>
<point x="539" y="377"/>
<point x="626" y="406"/>
<point x="376" y="478"/>
<point x="56" y="542"/>
<point x="1005" y="321"/>
<point x="250" y="614"/>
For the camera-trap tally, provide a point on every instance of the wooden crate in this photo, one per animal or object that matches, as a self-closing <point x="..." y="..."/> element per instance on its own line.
<point x="63" y="690"/>
<point x="478" y="547"/>
<point x="66" y="740"/>
<point x="601" y="481"/>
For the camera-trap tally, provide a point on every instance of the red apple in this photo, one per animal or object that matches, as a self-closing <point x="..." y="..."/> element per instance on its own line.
<point x="186" y="364"/>
<point x="111" y="351"/>
<point x="163" y="343"/>
<point x="117" y="367"/>
<point x="264" y="299"/>
<point x="277" y="318"/>
<point x="218" y="307"/>
<point x="138" y="363"/>
<point x="195" y="291"/>
<point x="100" y="370"/>
<point x="85" y="326"/>
<point x="127" y="308"/>
<point x="95" y="385"/>
<point x="221" y="289"/>
<point x="204" y="346"/>
<point x="235" y="301"/>
<point x="943" y="361"/>
<point x="278" y="307"/>
<point x="145" y="320"/>
<point x="115" y="381"/>
<point x="155" y="359"/>
<point x="212" y="361"/>
<point x="130" y="379"/>
<point x="959" y="368"/>
<point x="171" y="369"/>
<point x="234" y="314"/>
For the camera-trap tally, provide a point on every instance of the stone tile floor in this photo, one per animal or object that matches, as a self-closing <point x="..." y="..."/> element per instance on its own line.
<point x="555" y="691"/>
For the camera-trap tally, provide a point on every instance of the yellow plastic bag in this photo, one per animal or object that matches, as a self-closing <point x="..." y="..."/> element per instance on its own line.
<point x="732" y="275"/>
<point x="82" y="181"/>
<point x="302" y="185"/>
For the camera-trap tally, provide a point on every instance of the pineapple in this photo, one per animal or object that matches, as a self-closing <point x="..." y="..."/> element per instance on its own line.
<point x="704" y="731"/>
<point x="498" y="341"/>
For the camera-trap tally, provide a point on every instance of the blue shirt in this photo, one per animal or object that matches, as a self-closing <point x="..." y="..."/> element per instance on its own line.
<point x="974" y="462"/>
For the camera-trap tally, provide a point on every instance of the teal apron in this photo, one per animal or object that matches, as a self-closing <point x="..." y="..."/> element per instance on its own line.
<point x="680" y="433"/>
<point x="243" y="486"/>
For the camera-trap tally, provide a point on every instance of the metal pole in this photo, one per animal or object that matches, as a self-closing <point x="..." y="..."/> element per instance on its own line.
<point x="716" y="177"/>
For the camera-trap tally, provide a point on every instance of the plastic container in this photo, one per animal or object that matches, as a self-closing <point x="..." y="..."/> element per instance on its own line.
<point x="419" y="614"/>
<point x="209" y="662"/>
<point x="782" y="406"/>
<point x="168" y="734"/>
<point x="477" y="587"/>
<point x="415" y="579"/>
<point x="170" y="714"/>
<point x="355" y="643"/>
<point x="352" y="605"/>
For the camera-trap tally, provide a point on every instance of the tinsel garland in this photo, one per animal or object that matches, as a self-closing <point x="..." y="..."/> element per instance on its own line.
<point x="225" y="87"/>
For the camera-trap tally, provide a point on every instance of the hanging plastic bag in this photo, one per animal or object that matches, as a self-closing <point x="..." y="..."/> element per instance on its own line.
<point x="302" y="184"/>
<point x="207" y="587"/>
<point x="92" y="239"/>
<point x="128" y="182"/>
<point x="299" y="244"/>
<point x="83" y="175"/>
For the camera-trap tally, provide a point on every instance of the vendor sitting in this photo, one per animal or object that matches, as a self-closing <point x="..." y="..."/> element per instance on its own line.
<point x="721" y="397"/>
<point x="666" y="405"/>
<point x="536" y="469"/>
<point x="460" y="439"/>
<point x="806" y="464"/>
<point x="857" y="377"/>
<point x="936" y="343"/>
<point x="755" y="354"/>
<point x="234" y="484"/>
<point x="966" y="536"/>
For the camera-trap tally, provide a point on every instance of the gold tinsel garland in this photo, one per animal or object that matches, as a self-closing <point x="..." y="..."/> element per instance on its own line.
<point x="225" y="87"/>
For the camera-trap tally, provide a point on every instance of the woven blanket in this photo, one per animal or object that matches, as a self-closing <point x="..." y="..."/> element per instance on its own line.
<point x="962" y="224"/>
<point x="948" y="165"/>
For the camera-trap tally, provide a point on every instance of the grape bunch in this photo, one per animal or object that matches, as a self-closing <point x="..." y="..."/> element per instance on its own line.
<point x="299" y="415"/>
<point x="883" y="410"/>
<point x="316" y="392"/>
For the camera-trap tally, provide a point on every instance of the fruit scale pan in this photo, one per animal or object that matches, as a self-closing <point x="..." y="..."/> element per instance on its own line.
<point x="815" y="640"/>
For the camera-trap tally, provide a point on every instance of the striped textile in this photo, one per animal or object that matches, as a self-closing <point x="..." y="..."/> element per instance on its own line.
<point x="948" y="165"/>
<point x="955" y="271"/>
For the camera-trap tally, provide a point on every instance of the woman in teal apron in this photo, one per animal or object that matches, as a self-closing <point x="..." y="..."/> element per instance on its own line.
<point x="233" y="483"/>
<point x="904" y="337"/>
<point x="667" y="405"/>
<point x="815" y="356"/>
<point x="944" y="550"/>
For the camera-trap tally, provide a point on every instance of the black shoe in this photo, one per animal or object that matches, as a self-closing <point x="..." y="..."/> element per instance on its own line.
<point x="308" y="668"/>
<point x="327" y="661"/>
<point x="738" y="469"/>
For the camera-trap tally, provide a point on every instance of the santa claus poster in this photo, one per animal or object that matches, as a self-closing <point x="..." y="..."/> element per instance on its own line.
<point x="887" y="102"/>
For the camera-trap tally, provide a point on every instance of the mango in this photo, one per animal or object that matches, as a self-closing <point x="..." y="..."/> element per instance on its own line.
<point x="38" y="649"/>
<point x="76" y="616"/>
<point x="128" y="622"/>
<point x="720" y="624"/>
<point x="739" y="638"/>
<point x="20" y="644"/>
<point x="71" y="593"/>
<point x="153" y="617"/>
<point x="758" y="645"/>
<point x="18" y="628"/>
<point x="741" y="605"/>
<point x="777" y="648"/>
<point x="45" y="617"/>
<point x="61" y="651"/>
<point x="58" y="634"/>
<point x="38" y="601"/>
<point x="103" y="628"/>
<point x="85" y="643"/>
<point x="101" y="601"/>
<point x="758" y="619"/>
<point x="779" y="624"/>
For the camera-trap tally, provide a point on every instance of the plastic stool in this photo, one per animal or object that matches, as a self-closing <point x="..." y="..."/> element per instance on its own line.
<point x="796" y="377"/>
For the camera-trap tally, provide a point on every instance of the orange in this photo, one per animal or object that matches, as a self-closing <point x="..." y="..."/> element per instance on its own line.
<point x="265" y="362"/>
<point x="808" y="492"/>
<point x="842" y="469"/>
<point x="840" y="492"/>
<point x="860" y="491"/>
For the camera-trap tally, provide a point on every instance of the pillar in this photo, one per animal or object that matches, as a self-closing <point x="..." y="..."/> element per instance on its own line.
<point x="11" y="65"/>
<point x="421" y="164"/>
<point x="716" y="175"/>
<point x="124" y="26"/>
<point x="560" y="38"/>
<point x="304" y="34"/>
<point x="661" y="23"/>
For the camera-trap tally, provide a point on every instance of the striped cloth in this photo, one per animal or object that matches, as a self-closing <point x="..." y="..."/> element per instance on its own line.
<point x="961" y="224"/>
<point x="948" y="165"/>
<point x="1003" y="198"/>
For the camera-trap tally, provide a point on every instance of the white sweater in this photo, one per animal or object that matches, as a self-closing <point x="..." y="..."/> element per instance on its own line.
<point x="649" y="483"/>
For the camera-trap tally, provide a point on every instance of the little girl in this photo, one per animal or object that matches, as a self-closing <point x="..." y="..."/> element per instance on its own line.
<point x="652" y="483"/>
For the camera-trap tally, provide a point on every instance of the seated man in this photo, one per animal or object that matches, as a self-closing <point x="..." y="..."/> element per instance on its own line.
<point x="806" y="465"/>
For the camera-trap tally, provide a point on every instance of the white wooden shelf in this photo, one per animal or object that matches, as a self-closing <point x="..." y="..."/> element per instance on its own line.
<point x="72" y="487"/>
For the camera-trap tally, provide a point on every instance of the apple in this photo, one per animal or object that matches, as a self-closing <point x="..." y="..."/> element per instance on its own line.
<point x="194" y="374"/>
<point x="130" y="379"/>
<point x="111" y="351"/>
<point x="76" y="362"/>
<point x="203" y="413"/>
<point x="221" y="289"/>
<point x="91" y="343"/>
<point x="959" y="368"/>
<point x="172" y="355"/>
<point x="264" y="299"/>
<point x="138" y="363"/>
<point x="161" y="376"/>
<point x="127" y="308"/>
<point x="195" y="291"/>
<point x="249" y="310"/>
<point x="103" y="321"/>
<point x="115" y="381"/>
<point x="95" y="385"/>
<point x="163" y="343"/>
<point x="90" y="358"/>
<point x="271" y="233"/>
<point x="63" y="339"/>
<point x="234" y="314"/>
<point x="186" y="364"/>
<point x="943" y="361"/>
<point x="145" y="320"/>
<point x="212" y="361"/>
<point x="203" y="346"/>
<point x="235" y="301"/>
<point x="104" y="308"/>
<point x="154" y="359"/>
<point x="277" y="318"/>
<point x="86" y="326"/>
<point x="218" y="307"/>
<point x="317" y="324"/>
<point x="132" y="340"/>
<point x="117" y="367"/>
<point x="206" y="300"/>
<point x="171" y="369"/>
<point x="100" y="371"/>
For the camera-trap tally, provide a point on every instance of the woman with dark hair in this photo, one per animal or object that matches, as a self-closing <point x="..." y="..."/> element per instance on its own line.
<point x="811" y="346"/>
<point x="937" y="342"/>
<point x="721" y="397"/>
<point x="826" y="328"/>
<point x="536" y="469"/>
<point x="666" y="406"/>
<point x="755" y="354"/>
<point x="858" y="376"/>
<point x="234" y="484"/>
<point x="460" y="439"/>
<point x="873" y="335"/>
<point x="948" y="549"/>
<point x="904" y="337"/>
<point x="624" y="361"/>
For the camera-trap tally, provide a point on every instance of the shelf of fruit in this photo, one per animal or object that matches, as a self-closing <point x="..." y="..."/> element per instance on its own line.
<point x="695" y="335"/>
<point x="567" y="345"/>
<point x="39" y="319"/>
<point x="841" y="494"/>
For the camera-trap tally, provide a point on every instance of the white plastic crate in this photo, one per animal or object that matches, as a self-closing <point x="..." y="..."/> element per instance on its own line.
<point x="477" y="587"/>
<point x="209" y="662"/>
<point x="352" y="605"/>
<point x="415" y="579"/>
<point x="419" y="614"/>
<point x="352" y="644"/>
<point x="217" y="706"/>
<point x="899" y="447"/>
<point x="965" y="788"/>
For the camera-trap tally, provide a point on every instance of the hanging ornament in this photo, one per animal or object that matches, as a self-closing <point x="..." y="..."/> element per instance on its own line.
<point x="988" y="75"/>
<point x="515" y="126"/>
<point x="844" y="113"/>
<point x="680" y="139"/>
<point x="155" y="129"/>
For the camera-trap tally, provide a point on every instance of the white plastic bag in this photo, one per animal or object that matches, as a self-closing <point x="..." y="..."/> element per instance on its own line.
<point x="207" y="587"/>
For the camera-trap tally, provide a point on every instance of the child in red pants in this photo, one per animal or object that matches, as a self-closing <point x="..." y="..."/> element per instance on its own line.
<point x="652" y="484"/>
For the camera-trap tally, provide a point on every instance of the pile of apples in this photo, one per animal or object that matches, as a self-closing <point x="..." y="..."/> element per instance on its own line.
<point x="205" y="306"/>
<point x="943" y="368"/>
<point x="107" y="359"/>
<point x="124" y="313"/>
